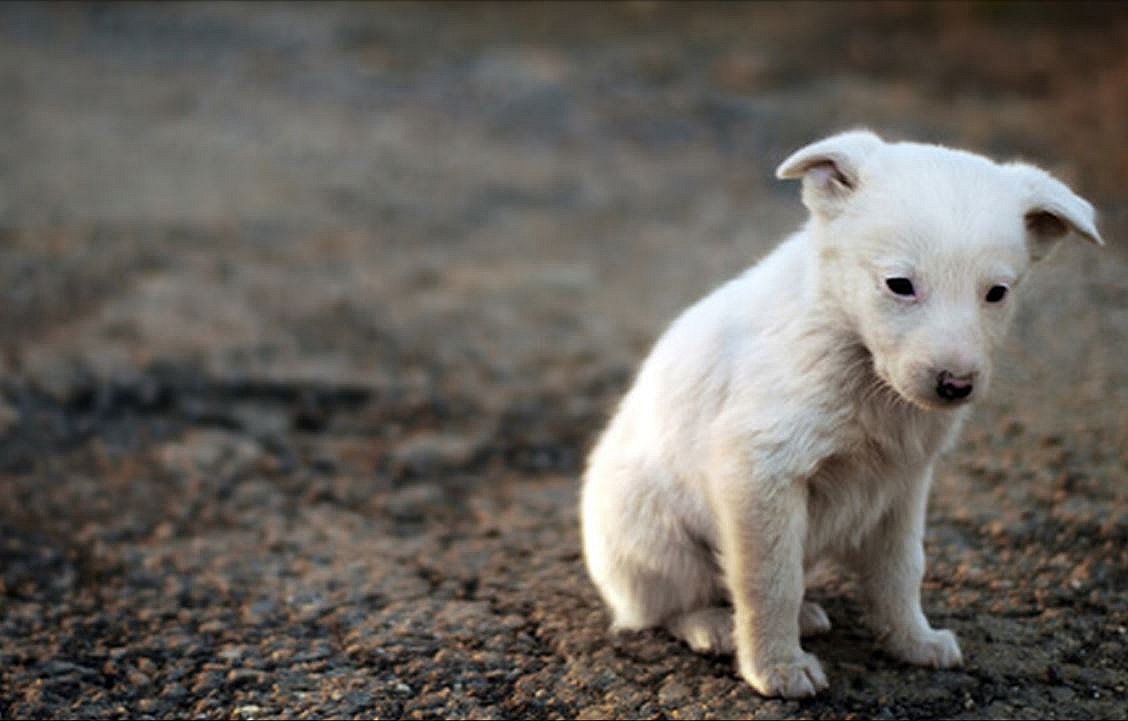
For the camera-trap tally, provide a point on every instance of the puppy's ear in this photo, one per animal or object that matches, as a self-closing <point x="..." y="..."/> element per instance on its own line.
<point x="1053" y="211"/>
<point x="830" y="169"/>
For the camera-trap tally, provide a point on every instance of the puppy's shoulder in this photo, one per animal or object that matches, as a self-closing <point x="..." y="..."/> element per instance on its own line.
<point x="773" y="287"/>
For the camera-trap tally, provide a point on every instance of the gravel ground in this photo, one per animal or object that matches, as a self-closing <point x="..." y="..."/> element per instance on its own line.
<point x="310" y="314"/>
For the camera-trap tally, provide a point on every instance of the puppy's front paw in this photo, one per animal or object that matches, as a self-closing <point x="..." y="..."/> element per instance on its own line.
<point x="937" y="649"/>
<point x="799" y="678"/>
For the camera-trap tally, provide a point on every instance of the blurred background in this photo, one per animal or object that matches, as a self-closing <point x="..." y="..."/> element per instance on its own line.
<point x="299" y="300"/>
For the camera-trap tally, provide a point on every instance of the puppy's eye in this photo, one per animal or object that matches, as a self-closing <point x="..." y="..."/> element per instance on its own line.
<point x="900" y="286"/>
<point x="997" y="293"/>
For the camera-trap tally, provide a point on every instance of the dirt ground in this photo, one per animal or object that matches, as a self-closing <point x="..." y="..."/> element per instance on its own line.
<point x="310" y="314"/>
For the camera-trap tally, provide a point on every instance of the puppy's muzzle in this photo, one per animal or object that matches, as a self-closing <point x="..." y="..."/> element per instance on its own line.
<point x="954" y="388"/>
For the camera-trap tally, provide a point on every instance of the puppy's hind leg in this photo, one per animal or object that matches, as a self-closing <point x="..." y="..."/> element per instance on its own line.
<point x="709" y="629"/>
<point x="647" y="565"/>
<point x="812" y="619"/>
<point x="643" y="593"/>
<point x="705" y="630"/>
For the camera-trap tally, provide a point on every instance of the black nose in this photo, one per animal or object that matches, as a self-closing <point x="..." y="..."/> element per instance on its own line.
<point x="951" y="388"/>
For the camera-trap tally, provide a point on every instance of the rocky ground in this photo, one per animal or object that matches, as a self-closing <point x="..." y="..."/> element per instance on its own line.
<point x="310" y="314"/>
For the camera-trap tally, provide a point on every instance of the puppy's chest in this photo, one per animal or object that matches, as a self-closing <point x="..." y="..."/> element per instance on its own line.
<point x="853" y="488"/>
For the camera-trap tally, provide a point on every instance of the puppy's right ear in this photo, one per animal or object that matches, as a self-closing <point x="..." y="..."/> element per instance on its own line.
<point x="1053" y="211"/>
<point x="830" y="169"/>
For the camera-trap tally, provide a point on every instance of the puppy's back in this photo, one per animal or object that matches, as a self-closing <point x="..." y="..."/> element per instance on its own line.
<point x="684" y="380"/>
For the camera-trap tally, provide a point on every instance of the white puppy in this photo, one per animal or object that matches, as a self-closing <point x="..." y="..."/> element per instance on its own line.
<point x="795" y="414"/>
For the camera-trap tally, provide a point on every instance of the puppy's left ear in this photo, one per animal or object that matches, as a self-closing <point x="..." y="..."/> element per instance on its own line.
<point x="830" y="169"/>
<point x="1053" y="211"/>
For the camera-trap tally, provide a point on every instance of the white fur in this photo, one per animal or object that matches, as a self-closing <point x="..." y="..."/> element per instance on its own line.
<point x="793" y="415"/>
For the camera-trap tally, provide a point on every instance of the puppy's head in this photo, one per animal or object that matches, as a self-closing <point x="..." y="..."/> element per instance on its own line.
<point x="922" y="248"/>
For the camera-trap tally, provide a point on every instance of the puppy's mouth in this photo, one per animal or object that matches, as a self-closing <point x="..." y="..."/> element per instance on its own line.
<point x="926" y="399"/>
<point x="881" y="384"/>
<point x="938" y="404"/>
<point x="888" y="387"/>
